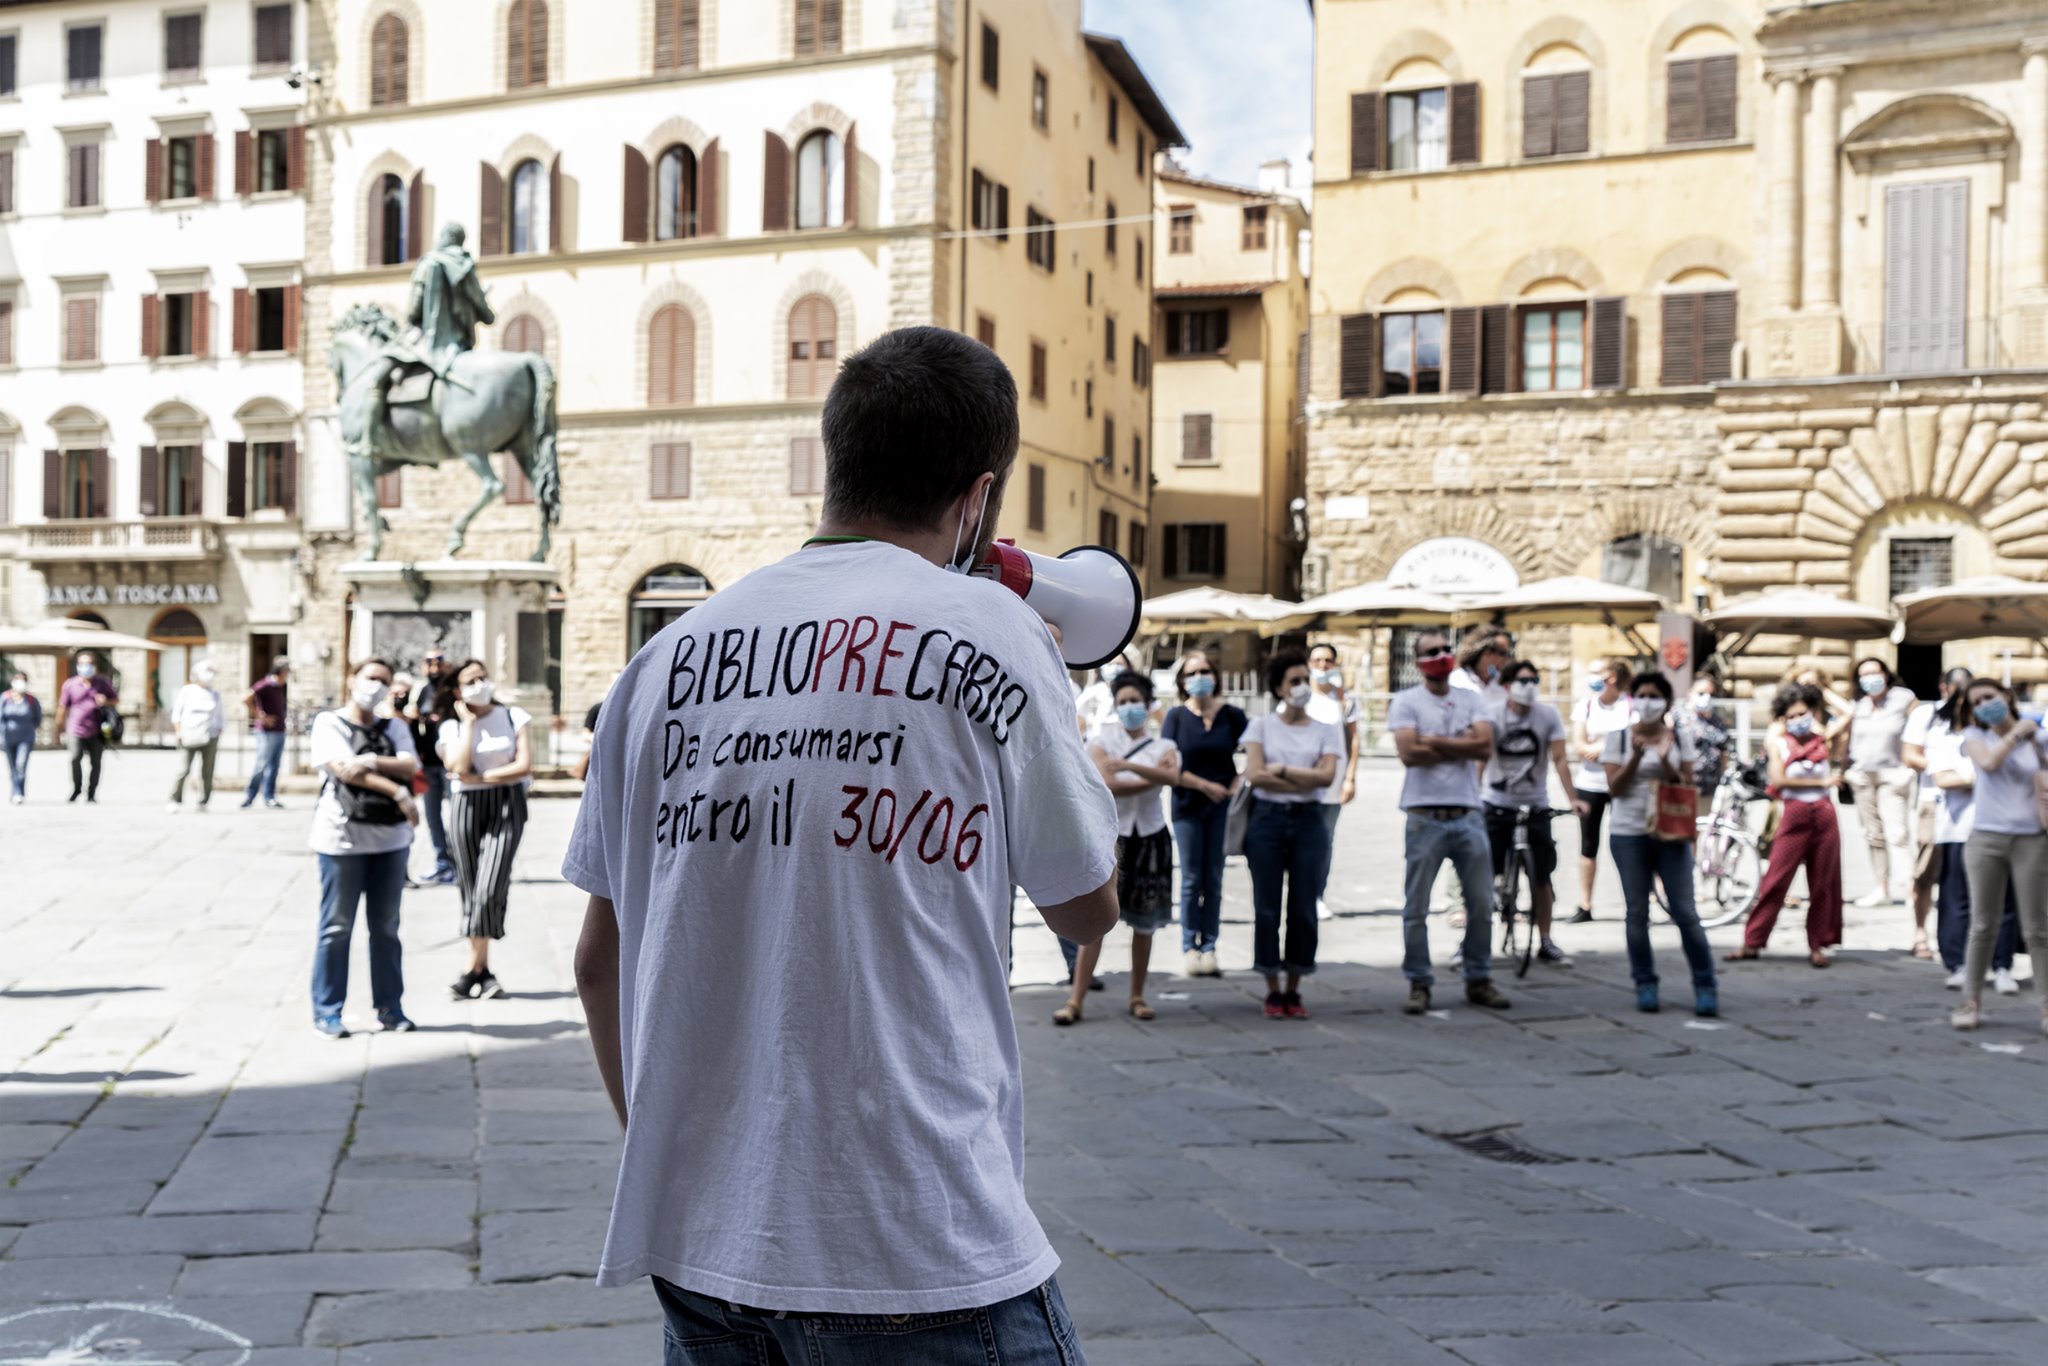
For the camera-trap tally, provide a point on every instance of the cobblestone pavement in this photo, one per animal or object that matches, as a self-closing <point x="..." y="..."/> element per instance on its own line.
<point x="189" y="1174"/>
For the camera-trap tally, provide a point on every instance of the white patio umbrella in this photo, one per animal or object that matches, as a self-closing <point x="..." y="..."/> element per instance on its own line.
<point x="1367" y="604"/>
<point x="61" y="636"/>
<point x="1798" y="612"/>
<point x="1994" y="605"/>
<point x="1210" y="609"/>
<point x="1570" y="600"/>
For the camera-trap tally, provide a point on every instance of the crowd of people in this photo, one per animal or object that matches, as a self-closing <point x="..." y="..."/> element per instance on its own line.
<point x="1946" y="791"/>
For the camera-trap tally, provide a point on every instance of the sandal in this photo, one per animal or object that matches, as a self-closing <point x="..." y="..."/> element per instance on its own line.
<point x="1067" y="1014"/>
<point x="1920" y="948"/>
<point x="1141" y="1011"/>
<point x="1742" y="955"/>
<point x="1819" y="959"/>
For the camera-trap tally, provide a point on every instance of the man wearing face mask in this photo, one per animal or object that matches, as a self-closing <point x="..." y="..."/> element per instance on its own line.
<point x="197" y="718"/>
<point x="78" y="721"/>
<point x="1528" y="745"/>
<point x="266" y="701"/>
<point x="1482" y="663"/>
<point x="1097" y="703"/>
<point x="423" y="715"/>
<point x="1442" y="734"/>
<point x="807" y="804"/>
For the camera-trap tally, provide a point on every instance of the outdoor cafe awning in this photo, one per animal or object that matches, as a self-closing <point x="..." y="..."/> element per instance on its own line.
<point x="1367" y="604"/>
<point x="62" y="636"/>
<point x="1210" y="609"/>
<point x="1973" y="609"/>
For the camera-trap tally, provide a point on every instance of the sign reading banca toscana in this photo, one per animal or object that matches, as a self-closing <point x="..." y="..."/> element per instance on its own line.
<point x="131" y="594"/>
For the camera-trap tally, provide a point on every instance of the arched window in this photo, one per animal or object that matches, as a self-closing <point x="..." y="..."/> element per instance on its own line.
<point x="661" y="598"/>
<point x="523" y="332"/>
<point x="675" y="194"/>
<point x="393" y="220"/>
<point x="526" y="44"/>
<point x="529" y="194"/>
<point x="389" y="54"/>
<point x="672" y="357"/>
<point x="820" y="181"/>
<point x="813" y="346"/>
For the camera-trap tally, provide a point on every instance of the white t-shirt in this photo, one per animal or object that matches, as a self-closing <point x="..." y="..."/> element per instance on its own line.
<point x="1629" y="812"/>
<point x="1920" y="725"/>
<point x="1601" y="719"/>
<point x="495" y="744"/>
<point x="1879" y="727"/>
<point x="196" y="714"/>
<point x="1495" y="694"/>
<point x="334" y="738"/>
<point x="1955" y="811"/>
<point x="1142" y="812"/>
<point x="1453" y="782"/>
<point x="2005" y="795"/>
<point x="1296" y="746"/>
<point x="1095" y="705"/>
<point x="1344" y="715"/>
<point x="809" y="796"/>
<point x="1518" y="773"/>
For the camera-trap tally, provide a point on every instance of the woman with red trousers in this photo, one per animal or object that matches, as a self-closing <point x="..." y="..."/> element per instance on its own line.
<point x="1807" y="834"/>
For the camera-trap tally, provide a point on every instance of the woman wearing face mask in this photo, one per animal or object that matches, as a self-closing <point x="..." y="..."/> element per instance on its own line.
<point x="1605" y="709"/>
<point x="1206" y="731"/>
<point x="1137" y="766"/>
<point x="487" y="747"/>
<point x="2007" y="847"/>
<point x="1955" y="809"/>
<point x="1637" y="759"/>
<point x="1882" y="782"/>
<point x="1289" y="760"/>
<point x="1095" y="708"/>
<point x="1711" y="742"/>
<point x="362" y="832"/>
<point x="21" y="716"/>
<point x="1932" y="735"/>
<point x="196" y="719"/>
<point x="1808" y="836"/>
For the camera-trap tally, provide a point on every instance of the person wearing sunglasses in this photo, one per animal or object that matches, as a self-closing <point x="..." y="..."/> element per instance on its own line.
<point x="1441" y="734"/>
<point x="1207" y="731"/>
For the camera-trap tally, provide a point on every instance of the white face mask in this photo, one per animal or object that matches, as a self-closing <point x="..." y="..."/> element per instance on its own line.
<point x="1299" y="694"/>
<point x="954" y="564"/>
<point x="1523" y="693"/>
<point x="20" y="685"/>
<point x="1326" y="678"/>
<point x="369" y="693"/>
<point x="477" y="693"/>
<point x="1650" y="708"/>
<point x="203" y="676"/>
<point x="86" y="669"/>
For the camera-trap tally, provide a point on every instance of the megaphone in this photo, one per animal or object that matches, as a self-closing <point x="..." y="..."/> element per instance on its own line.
<point x="1089" y="593"/>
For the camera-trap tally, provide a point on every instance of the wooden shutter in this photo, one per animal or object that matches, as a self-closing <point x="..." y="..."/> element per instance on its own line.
<point x="245" y="163"/>
<point x="195" y="481"/>
<point x="1574" y="112"/>
<point x="53" y="485"/>
<point x="1539" y="116"/>
<point x="1719" y="85"/>
<point x="775" y="185"/>
<point x="1365" y="131"/>
<point x="707" y="190"/>
<point x="1461" y="351"/>
<point x="672" y="357"/>
<point x="6" y="180"/>
<point x="295" y="158"/>
<point x="202" y="152"/>
<point x="1902" y="312"/>
<point x="1681" y="344"/>
<point x="634" y="210"/>
<point x="1464" y="101"/>
<point x="6" y="335"/>
<point x="556" y="208"/>
<point x="152" y="171"/>
<point x="1684" y="112"/>
<point x="806" y="27"/>
<point x="152" y="481"/>
<point x="1717" y="336"/>
<point x="82" y="340"/>
<point x="373" y="237"/>
<point x="202" y="325"/>
<point x="668" y="469"/>
<point x="288" y="479"/>
<point x="415" y="215"/>
<point x="1197" y="438"/>
<point x="380" y="60"/>
<point x="1609" y="318"/>
<point x="102" y="474"/>
<point x="1003" y="218"/>
<point x="850" y="173"/>
<point x="238" y="479"/>
<point x="1496" y="324"/>
<point x="150" y="347"/>
<point x="675" y="35"/>
<point x="291" y="319"/>
<point x="490" y="233"/>
<point x="830" y="38"/>
<point x="1357" y="369"/>
<point x="239" y="324"/>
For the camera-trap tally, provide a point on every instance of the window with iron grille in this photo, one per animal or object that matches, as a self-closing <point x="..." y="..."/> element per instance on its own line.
<point x="1919" y="562"/>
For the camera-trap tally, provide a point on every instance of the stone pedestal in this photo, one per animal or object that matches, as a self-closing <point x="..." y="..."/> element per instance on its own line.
<point x="469" y="608"/>
<point x="2024" y="332"/>
<point x="1806" y="345"/>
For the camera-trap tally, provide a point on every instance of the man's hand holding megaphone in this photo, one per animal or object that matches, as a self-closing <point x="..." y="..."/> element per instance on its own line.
<point x="1089" y="596"/>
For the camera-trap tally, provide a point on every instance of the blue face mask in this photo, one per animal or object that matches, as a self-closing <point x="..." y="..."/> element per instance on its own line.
<point x="1872" y="683"/>
<point x="1800" y="725"/>
<point x="1596" y="685"/>
<point x="1202" y="685"/>
<point x="1132" y="714"/>
<point x="1991" y="712"/>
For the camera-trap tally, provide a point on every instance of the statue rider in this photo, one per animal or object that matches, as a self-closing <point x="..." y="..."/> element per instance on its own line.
<point x="445" y="306"/>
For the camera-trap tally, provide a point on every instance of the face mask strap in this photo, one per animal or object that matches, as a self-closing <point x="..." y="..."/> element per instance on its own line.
<point x="954" y="565"/>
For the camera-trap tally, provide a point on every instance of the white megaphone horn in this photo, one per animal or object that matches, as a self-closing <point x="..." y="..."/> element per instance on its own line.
<point x="1089" y="593"/>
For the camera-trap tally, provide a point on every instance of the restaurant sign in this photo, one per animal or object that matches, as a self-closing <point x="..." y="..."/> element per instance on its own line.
<point x="131" y="594"/>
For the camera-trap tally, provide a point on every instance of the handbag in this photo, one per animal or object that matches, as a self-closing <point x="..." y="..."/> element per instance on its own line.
<point x="1676" y="815"/>
<point x="360" y="803"/>
<point x="1237" y="820"/>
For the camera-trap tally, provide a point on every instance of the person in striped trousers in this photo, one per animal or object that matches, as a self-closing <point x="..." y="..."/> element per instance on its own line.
<point x="487" y="748"/>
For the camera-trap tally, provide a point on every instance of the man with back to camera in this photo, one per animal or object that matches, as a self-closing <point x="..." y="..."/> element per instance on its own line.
<point x="805" y="809"/>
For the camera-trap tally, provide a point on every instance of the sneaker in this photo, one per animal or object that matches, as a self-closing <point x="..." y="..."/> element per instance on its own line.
<point x="1706" y="1003"/>
<point x="331" y="1026"/>
<point x="1191" y="965"/>
<point x="1322" y="909"/>
<point x="1955" y="980"/>
<point x="1209" y="968"/>
<point x="1965" y="1016"/>
<point x="1485" y="993"/>
<point x="2002" y="983"/>
<point x="1548" y="952"/>
<point x="1418" y="999"/>
<point x="247" y="802"/>
<point x="1876" y="896"/>
<point x="488" y="988"/>
<point x="394" y="1022"/>
<point x="465" y="987"/>
<point x="1580" y="916"/>
<point x="1276" y="1005"/>
<point x="1646" y="998"/>
<point x="199" y="810"/>
<point x="1291" y="1003"/>
<point x="173" y="808"/>
<point x="445" y="877"/>
<point x="273" y="806"/>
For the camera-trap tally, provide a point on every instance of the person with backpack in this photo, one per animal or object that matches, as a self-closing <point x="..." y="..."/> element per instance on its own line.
<point x="81" y="702"/>
<point x="362" y="833"/>
<point x="196" y="719"/>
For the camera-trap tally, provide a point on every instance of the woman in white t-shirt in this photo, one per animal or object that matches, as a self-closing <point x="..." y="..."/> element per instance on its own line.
<point x="1881" y="780"/>
<point x="197" y="718"/>
<point x="1138" y="766"/>
<point x="487" y="747"/>
<point x="1289" y="761"/>
<point x="1954" y="780"/>
<point x="1808" y="835"/>
<point x="2007" y="847"/>
<point x="1605" y="709"/>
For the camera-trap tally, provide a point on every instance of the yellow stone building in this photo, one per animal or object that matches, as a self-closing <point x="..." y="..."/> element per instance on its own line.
<point x="1705" y="296"/>
<point x="693" y="209"/>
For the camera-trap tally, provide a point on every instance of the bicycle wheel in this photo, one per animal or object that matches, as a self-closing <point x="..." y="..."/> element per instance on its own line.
<point x="1523" y="917"/>
<point x="1725" y="886"/>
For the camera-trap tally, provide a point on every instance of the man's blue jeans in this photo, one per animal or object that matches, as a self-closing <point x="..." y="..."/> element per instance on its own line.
<point x="1637" y="858"/>
<point x="1290" y="842"/>
<point x="436" y="797"/>
<point x="1031" y="1330"/>
<point x="1200" y="842"/>
<point x="17" y="764"/>
<point x="378" y="881"/>
<point x="269" y="755"/>
<point x="1462" y="841"/>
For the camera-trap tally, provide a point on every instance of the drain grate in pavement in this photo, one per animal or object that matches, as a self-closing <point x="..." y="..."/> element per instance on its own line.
<point x="1496" y="1148"/>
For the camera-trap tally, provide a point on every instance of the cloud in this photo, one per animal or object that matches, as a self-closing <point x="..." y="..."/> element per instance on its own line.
<point x="1236" y="74"/>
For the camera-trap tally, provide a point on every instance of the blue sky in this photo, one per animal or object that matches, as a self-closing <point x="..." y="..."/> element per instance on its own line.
<point x="1235" y="73"/>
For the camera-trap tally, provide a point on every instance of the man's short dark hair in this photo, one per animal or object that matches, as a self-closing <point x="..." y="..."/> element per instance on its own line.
<point x="915" y="417"/>
<point x="1655" y="682"/>
<point x="1131" y="678"/>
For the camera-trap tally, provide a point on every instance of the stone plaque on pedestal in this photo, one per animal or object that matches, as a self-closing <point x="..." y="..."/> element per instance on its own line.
<point x="468" y="608"/>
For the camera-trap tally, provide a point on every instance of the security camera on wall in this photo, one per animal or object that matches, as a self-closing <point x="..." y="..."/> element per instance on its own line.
<point x="299" y="77"/>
